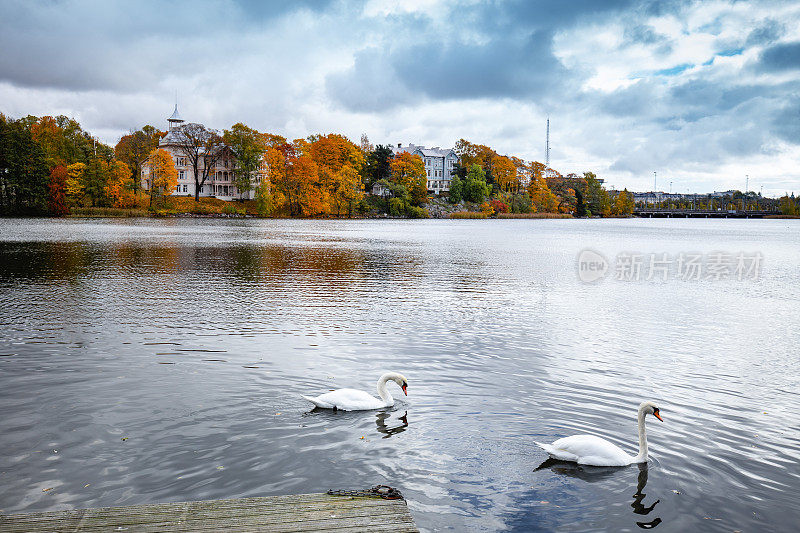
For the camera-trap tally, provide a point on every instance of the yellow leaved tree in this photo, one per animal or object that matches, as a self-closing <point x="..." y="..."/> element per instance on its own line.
<point x="74" y="185"/>
<point x="119" y="187"/>
<point x="163" y="176"/>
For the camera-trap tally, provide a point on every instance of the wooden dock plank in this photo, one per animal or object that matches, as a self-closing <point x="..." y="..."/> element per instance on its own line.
<point x="296" y="513"/>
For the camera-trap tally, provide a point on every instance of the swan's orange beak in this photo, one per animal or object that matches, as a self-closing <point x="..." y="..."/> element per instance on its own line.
<point x="404" y="389"/>
<point x="657" y="415"/>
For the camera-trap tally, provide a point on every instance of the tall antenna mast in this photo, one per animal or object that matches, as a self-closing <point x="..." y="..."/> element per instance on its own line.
<point x="547" y="145"/>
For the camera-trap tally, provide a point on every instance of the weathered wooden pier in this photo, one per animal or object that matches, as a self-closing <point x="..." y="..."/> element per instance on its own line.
<point x="301" y="512"/>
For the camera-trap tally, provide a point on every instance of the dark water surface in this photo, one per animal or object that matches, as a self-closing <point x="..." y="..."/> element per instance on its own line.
<point x="151" y="361"/>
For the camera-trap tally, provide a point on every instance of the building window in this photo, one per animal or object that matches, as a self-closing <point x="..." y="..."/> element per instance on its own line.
<point x="184" y="188"/>
<point x="180" y="174"/>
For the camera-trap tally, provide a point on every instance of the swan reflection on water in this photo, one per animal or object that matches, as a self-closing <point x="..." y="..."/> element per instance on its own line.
<point x="593" y="474"/>
<point x="383" y="416"/>
<point x="382" y="419"/>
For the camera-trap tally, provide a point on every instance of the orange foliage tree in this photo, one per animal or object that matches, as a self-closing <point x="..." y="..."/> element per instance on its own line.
<point x="505" y="174"/>
<point x="163" y="176"/>
<point x="120" y="185"/>
<point x="542" y="198"/>
<point x="58" y="190"/>
<point x="339" y="163"/>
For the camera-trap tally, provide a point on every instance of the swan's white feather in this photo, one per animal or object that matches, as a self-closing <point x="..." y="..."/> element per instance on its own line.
<point x="588" y="450"/>
<point x="348" y="400"/>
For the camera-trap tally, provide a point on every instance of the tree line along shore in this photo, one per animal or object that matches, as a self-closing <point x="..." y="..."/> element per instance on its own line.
<point x="51" y="166"/>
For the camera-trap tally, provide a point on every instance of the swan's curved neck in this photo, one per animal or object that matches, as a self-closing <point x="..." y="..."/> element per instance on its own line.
<point x="383" y="392"/>
<point x="642" y="457"/>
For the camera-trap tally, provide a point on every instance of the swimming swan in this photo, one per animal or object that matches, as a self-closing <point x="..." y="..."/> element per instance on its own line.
<point x="594" y="451"/>
<point x="356" y="400"/>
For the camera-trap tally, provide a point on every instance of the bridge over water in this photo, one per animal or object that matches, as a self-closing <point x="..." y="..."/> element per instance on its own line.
<point x="652" y="212"/>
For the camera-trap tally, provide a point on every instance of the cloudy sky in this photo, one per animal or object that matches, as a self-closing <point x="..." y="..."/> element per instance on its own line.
<point x="703" y="93"/>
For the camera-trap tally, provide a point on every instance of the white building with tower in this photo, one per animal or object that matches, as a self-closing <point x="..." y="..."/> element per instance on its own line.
<point x="439" y="164"/>
<point x="219" y="183"/>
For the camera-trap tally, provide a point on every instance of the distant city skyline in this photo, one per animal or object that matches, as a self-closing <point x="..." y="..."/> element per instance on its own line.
<point x="703" y="93"/>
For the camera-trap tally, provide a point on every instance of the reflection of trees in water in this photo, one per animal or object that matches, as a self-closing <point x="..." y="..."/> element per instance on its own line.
<point x="276" y="264"/>
<point x="46" y="260"/>
<point x="594" y="474"/>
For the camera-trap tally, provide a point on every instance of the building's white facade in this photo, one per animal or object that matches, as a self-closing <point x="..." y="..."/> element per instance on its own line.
<point x="219" y="183"/>
<point x="439" y="164"/>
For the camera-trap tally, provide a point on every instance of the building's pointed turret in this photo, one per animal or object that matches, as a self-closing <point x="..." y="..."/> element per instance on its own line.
<point x="175" y="120"/>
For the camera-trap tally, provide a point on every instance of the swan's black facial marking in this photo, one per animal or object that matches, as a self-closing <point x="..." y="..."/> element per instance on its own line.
<point x="657" y="413"/>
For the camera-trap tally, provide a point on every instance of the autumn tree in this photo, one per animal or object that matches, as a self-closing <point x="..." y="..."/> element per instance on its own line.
<point x="202" y="148"/>
<point x="119" y="186"/>
<point x="408" y="171"/>
<point x="162" y="176"/>
<point x="302" y="179"/>
<point x="505" y="174"/>
<point x="295" y="178"/>
<point x="57" y="201"/>
<point x="542" y="198"/>
<point x="134" y="148"/>
<point x="477" y="154"/>
<point x="339" y="163"/>
<point x="789" y="205"/>
<point x="64" y="141"/>
<point x="49" y="136"/>
<point x="74" y="186"/>
<point x="270" y="140"/>
<point x="623" y="203"/>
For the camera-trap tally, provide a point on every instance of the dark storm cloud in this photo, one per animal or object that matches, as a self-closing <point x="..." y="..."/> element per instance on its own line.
<point x="635" y="100"/>
<point x="513" y="59"/>
<point x="503" y="68"/>
<point x="784" y="56"/>
<point x="708" y="98"/>
<point x="786" y="121"/>
<point x="770" y="31"/>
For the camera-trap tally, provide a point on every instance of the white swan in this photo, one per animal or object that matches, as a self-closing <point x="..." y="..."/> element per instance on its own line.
<point x="356" y="400"/>
<point x="594" y="451"/>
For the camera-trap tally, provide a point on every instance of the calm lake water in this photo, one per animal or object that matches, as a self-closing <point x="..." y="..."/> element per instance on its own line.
<point x="163" y="360"/>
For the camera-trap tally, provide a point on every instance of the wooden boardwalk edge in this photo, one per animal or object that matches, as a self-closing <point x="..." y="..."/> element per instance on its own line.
<point x="295" y="513"/>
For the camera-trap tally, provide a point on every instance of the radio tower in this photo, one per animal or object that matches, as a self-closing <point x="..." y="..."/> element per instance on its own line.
<point x="547" y="145"/>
